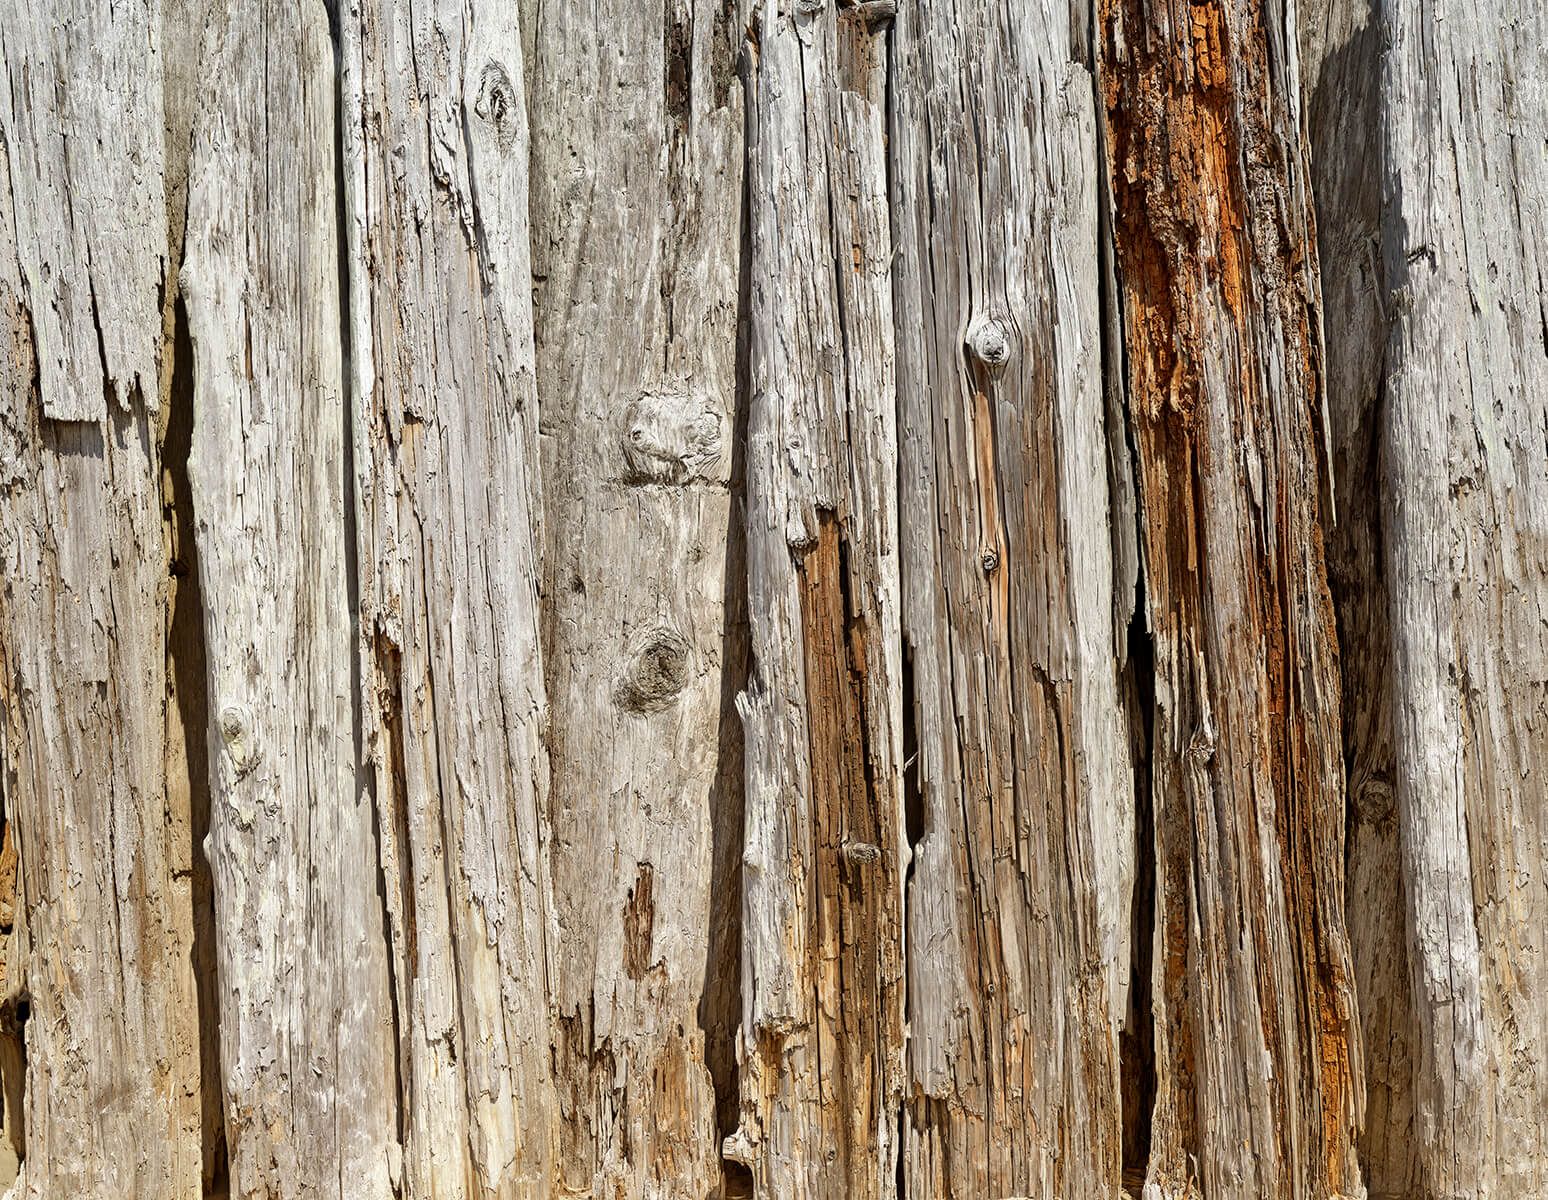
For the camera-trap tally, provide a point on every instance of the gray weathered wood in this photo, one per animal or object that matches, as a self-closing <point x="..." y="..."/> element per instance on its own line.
<point x="729" y="599"/>
<point x="1445" y="362"/>
<point x="1019" y="901"/>
<point x="445" y="422"/>
<point x="825" y="847"/>
<point x="636" y="185"/>
<point x="306" y="1068"/>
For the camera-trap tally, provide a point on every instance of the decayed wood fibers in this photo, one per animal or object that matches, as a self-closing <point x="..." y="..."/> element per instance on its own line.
<point x="531" y="505"/>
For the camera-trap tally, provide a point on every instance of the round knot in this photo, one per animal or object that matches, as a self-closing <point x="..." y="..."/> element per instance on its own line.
<point x="657" y="671"/>
<point x="989" y="341"/>
<point x="496" y="103"/>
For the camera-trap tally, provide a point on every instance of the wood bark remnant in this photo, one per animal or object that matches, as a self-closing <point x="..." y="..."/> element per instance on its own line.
<point x="306" y="1063"/>
<point x="825" y="847"/>
<point x="443" y="392"/>
<point x="1258" y="1072"/>
<point x="1019" y="899"/>
<point x="636" y="236"/>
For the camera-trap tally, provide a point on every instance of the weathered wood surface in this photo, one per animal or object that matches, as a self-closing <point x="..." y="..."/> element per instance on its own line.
<point x="739" y="591"/>
<point x="636" y="214"/>
<point x="1430" y="201"/>
<point x="306" y="1066"/>
<point x="825" y="847"/>
<point x="1341" y="45"/>
<point x="1258" y="1080"/>
<point x="445" y="421"/>
<point x="1019" y="898"/>
<point x="98" y="984"/>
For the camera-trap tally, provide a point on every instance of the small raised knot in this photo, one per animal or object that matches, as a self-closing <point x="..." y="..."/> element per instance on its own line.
<point x="232" y="724"/>
<point x="657" y="671"/>
<point x="989" y="341"/>
<point x="989" y="559"/>
<point x="497" y="102"/>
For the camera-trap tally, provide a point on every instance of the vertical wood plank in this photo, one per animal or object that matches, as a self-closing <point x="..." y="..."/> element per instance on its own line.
<point x="310" y="1102"/>
<point x="98" y="987"/>
<point x="637" y="177"/>
<point x="1257" y="1046"/>
<point x="825" y="848"/>
<point x="444" y="403"/>
<point x="1019" y="900"/>
<point x="1465" y="517"/>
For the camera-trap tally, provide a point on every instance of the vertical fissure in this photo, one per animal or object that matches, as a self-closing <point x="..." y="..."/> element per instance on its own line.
<point x="1137" y="1063"/>
<point x="720" y="1006"/>
<point x="14" y="1008"/>
<point x="188" y="682"/>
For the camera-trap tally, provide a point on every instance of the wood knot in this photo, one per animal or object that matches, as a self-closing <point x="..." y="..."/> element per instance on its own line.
<point x="234" y="734"/>
<point x="496" y="104"/>
<point x="657" y="672"/>
<point x="989" y="341"/>
<point x="670" y="438"/>
<point x="989" y="560"/>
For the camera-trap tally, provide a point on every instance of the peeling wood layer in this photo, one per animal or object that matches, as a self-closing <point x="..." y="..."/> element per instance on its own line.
<point x="101" y="1044"/>
<point x="1258" y="1070"/>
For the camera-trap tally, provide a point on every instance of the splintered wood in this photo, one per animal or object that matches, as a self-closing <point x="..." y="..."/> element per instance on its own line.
<point x="781" y="598"/>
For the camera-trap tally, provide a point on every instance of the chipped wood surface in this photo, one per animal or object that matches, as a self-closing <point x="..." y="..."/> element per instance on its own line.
<point x="824" y="849"/>
<point x="789" y="598"/>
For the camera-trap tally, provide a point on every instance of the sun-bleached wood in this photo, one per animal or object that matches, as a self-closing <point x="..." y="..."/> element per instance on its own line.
<point x="445" y="451"/>
<point x="636" y="217"/>
<point x="306" y="1066"/>
<point x="98" y="987"/>
<point x="1432" y="205"/>
<point x="824" y="846"/>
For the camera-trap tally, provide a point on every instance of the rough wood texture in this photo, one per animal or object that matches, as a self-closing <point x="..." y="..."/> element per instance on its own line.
<point x="636" y="171"/>
<point x="1257" y="1049"/>
<point x="1446" y="360"/>
<point x="1341" y="46"/>
<point x="824" y="844"/>
<point x="97" y="975"/>
<point x="305" y="1014"/>
<point x="728" y="599"/>
<point x="446" y="451"/>
<point x="1019" y="900"/>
